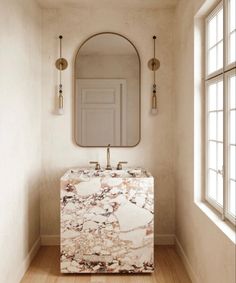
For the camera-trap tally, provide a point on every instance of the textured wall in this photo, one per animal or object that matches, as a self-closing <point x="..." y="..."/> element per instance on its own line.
<point x="210" y="252"/>
<point x="20" y="133"/>
<point x="155" y="151"/>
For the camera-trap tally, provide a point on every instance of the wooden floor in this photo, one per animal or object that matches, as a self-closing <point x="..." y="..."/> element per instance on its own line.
<point x="45" y="269"/>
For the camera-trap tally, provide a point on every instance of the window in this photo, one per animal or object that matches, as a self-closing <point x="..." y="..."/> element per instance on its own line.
<point x="220" y="102"/>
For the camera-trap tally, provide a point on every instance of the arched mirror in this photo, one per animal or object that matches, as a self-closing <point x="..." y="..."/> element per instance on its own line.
<point x="107" y="92"/>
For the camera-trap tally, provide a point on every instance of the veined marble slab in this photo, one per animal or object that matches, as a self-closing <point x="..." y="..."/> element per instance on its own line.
<point x="107" y="221"/>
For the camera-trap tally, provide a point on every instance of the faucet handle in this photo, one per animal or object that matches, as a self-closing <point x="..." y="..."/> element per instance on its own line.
<point x="97" y="165"/>
<point x="119" y="165"/>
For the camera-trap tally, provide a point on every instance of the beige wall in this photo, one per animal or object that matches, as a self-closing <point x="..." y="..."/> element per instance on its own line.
<point x="209" y="252"/>
<point x="20" y="134"/>
<point x="155" y="151"/>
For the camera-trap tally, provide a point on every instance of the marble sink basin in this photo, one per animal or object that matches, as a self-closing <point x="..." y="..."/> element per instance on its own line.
<point x="107" y="221"/>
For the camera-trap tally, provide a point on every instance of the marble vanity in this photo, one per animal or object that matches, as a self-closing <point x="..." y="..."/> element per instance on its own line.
<point x="107" y="221"/>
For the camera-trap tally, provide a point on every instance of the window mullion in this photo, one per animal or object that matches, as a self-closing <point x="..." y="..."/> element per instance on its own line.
<point x="225" y="115"/>
<point x="225" y="148"/>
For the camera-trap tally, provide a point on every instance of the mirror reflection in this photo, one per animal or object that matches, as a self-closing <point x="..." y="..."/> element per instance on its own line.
<point x="107" y="92"/>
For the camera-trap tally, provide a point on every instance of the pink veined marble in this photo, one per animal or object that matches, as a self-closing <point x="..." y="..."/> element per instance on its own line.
<point x="107" y="221"/>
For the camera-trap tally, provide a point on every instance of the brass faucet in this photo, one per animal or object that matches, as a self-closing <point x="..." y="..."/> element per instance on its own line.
<point x="108" y="158"/>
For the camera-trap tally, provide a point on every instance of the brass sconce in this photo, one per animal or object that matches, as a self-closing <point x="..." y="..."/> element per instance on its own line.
<point x="153" y="65"/>
<point x="61" y="64"/>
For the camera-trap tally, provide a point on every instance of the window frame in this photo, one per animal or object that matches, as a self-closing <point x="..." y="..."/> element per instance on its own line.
<point x="228" y="66"/>
<point x="207" y="20"/>
<point x="228" y="75"/>
<point x="228" y="70"/>
<point x="208" y="82"/>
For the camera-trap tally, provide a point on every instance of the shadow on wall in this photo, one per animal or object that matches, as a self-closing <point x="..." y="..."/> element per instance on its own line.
<point x="32" y="225"/>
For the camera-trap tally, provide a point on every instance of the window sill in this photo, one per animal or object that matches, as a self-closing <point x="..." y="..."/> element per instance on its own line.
<point x="227" y="228"/>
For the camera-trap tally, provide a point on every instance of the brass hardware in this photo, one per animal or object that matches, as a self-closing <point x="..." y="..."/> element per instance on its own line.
<point x="153" y="65"/>
<point x="61" y="64"/>
<point x="108" y="158"/>
<point x="97" y="165"/>
<point x="119" y="165"/>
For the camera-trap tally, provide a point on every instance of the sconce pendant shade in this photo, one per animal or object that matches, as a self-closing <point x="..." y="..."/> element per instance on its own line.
<point x="154" y="100"/>
<point x="61" y="64"/>
<point x="61" y="103"/>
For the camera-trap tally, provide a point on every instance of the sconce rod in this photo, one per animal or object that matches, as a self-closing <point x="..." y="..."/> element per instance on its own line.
<point x="154" y="38"/>
<point x="154" y="64"/>
<point x="60" y="37"/>
<point x="61" y="63"/>
<point x="154" y="58"/>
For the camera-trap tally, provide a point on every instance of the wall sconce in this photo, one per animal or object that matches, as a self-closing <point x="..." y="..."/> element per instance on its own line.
<point x="153" y="65"/>
<point x="61" y="64"/>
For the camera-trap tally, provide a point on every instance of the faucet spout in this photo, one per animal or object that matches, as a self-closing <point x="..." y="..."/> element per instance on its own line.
<point x="108" y="158"/>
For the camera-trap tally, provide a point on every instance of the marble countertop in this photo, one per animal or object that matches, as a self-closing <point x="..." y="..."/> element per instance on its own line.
<point x="85" y="174"/>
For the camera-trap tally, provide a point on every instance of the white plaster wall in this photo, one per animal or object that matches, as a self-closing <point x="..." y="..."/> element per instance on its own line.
<point x="20" y="134"/>
<point x="155" y="151"/>
<point x="210" y="253"/>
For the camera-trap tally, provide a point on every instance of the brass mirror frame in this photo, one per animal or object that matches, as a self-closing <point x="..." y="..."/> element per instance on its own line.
<point x="74" y="100"/>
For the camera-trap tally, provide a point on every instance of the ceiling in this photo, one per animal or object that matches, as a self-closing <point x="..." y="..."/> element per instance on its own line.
<point x="140" y="4"/>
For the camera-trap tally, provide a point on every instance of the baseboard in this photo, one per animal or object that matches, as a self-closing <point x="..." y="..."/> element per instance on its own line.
<point x="164" y="239"/>
<point x="50" y="240"/>
<point x="26" y="263"/>
<point x="186" y="262"/>
<point x="160" y="239"/>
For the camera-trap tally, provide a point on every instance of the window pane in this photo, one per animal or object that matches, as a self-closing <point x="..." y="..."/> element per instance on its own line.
<point x="232" y="158"/>
<point x="232" y="86"/>
<point x="212" y="177"/>
<point x="220" y="189"/>
<point x="212" y="97"/>
<point x="212" y="133"/>
<point x="212" y="155"/>
<point x="220" y="55"/>
<point x="232" y="197"/>
<point x="212" y="32"/>
<point x="232" y="47"/>
<point x="219" y="156"/>
<point x="220" y="126"/>
<point x="232" y="126"/>
<point x="220" y="25"/>
<point x="220" y="95"/>
<point x="212" y="60"/>
<point x="232" y="15"/>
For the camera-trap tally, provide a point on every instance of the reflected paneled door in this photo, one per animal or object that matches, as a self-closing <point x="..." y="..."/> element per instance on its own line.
<point x="101" y="115"/>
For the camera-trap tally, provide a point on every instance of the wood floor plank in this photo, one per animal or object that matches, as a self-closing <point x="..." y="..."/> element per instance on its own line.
<point x="45" y="268"/>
